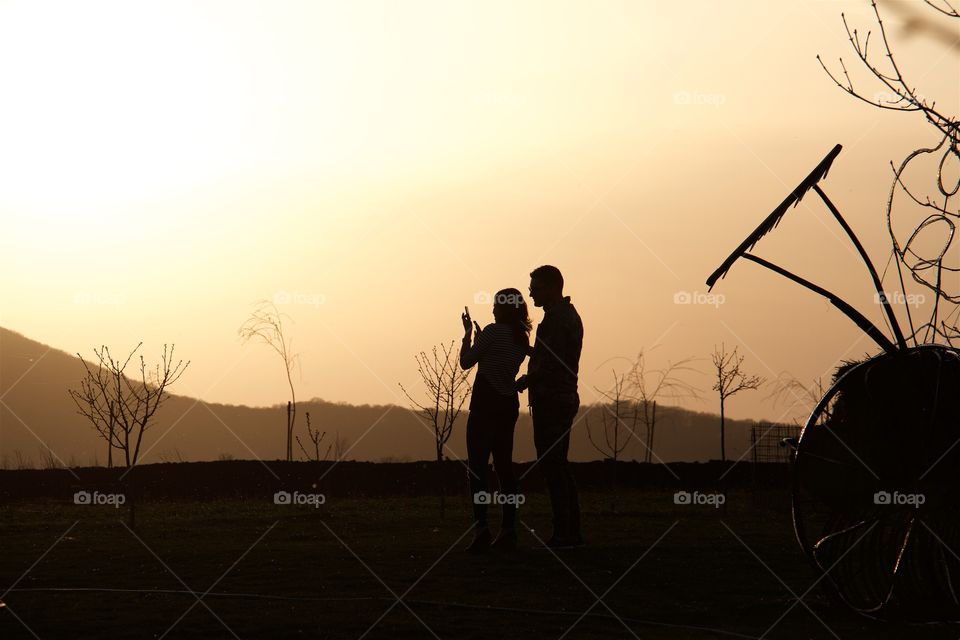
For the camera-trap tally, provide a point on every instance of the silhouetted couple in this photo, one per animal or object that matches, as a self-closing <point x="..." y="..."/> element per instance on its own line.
<point x="500" y="348"/>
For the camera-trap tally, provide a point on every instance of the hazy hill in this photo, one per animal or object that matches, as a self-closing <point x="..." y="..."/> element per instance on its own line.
<point x="36" y="409"/>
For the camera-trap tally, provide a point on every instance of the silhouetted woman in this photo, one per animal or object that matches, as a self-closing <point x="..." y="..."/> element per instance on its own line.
<point x="494" y="406"/>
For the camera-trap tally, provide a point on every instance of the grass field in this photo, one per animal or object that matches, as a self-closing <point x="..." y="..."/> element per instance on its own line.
<point x="390" y="568"/>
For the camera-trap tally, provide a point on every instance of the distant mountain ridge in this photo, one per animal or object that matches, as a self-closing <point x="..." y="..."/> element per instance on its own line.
<point x="37" y="413"/>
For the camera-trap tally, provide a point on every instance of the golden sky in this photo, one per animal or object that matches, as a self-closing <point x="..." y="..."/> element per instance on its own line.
<point x="379" y="165"/>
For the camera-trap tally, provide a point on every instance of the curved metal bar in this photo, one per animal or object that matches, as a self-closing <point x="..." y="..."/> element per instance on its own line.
<point x="858" y="318"/>
<point x="887" y="309"/>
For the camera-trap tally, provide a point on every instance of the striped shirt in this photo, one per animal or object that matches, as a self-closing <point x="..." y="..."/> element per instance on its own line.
<point x="499" y="355"/>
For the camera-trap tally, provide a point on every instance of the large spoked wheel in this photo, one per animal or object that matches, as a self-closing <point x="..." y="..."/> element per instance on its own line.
<point x="876" y="481"/>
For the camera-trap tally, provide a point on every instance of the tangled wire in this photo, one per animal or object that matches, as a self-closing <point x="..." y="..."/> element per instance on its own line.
<point x="929" y="235"/>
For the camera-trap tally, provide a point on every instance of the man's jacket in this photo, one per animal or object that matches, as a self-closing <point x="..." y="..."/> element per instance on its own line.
<point x="555" y="359"/>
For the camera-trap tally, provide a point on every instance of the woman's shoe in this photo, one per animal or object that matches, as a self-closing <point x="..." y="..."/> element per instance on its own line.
<point x="564" y="542"/>
<point x="506" y="540"/>
<point x="481" y="542"/>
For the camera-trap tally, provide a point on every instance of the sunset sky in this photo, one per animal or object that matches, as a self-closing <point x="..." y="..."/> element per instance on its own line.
<point x="376" y="166"/>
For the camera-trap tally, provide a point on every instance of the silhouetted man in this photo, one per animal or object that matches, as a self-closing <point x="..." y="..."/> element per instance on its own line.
<point x="554" y="401"/>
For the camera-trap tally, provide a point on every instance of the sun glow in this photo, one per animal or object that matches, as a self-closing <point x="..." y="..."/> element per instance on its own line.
<point x="119" y="103"/>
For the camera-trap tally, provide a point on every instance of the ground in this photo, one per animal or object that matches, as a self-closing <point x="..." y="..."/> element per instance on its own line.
<point x="391" y="568"/>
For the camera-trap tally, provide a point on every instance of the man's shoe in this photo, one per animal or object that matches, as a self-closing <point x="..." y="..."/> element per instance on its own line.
<point x="506" y="540"/>
<point x="481" y="542"/>
<point x="563" y="542"/>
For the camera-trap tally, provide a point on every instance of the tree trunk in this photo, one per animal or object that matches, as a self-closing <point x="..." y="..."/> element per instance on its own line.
<point x="128" y="492"/>
<point x="653" y="431"/>
<point x="443" y="493"/>
<point x="613" y="485"/>
<point x="289" y="432"/>
<point x="723" y="450"/>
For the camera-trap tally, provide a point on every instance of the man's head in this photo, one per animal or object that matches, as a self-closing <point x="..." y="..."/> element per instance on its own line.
<point x="546" y="285"/>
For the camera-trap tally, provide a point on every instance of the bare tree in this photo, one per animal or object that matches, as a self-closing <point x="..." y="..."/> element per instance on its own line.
<point x="119" y="407"/>
<point x="447" y="388"/>
<point x="96" y="401"/>
<point x="49" y="460"/>
<point x="731" y="379"/>
<point x="341" y="445"/>
<point x="899" y="95"/>
<point x="618" y="422"/>
<point x="316" y="437"/>
<point x="266" y="325"/>
<point x="919" y="250"/>
<point x="614" y="418"/>
<point x="19" y="462"/>
<point x="787" y="389"/>
<point x="647" y="386"/>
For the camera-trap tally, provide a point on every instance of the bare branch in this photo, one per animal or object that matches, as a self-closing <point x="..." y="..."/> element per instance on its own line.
<point x="731" y="379"/>
<point x="119" y="407"/>
<point x="265" y="325"/>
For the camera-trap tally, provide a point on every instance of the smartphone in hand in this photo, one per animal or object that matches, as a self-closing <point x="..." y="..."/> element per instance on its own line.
<point x="467" y="324"/>
<point x="465" y="318"/>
